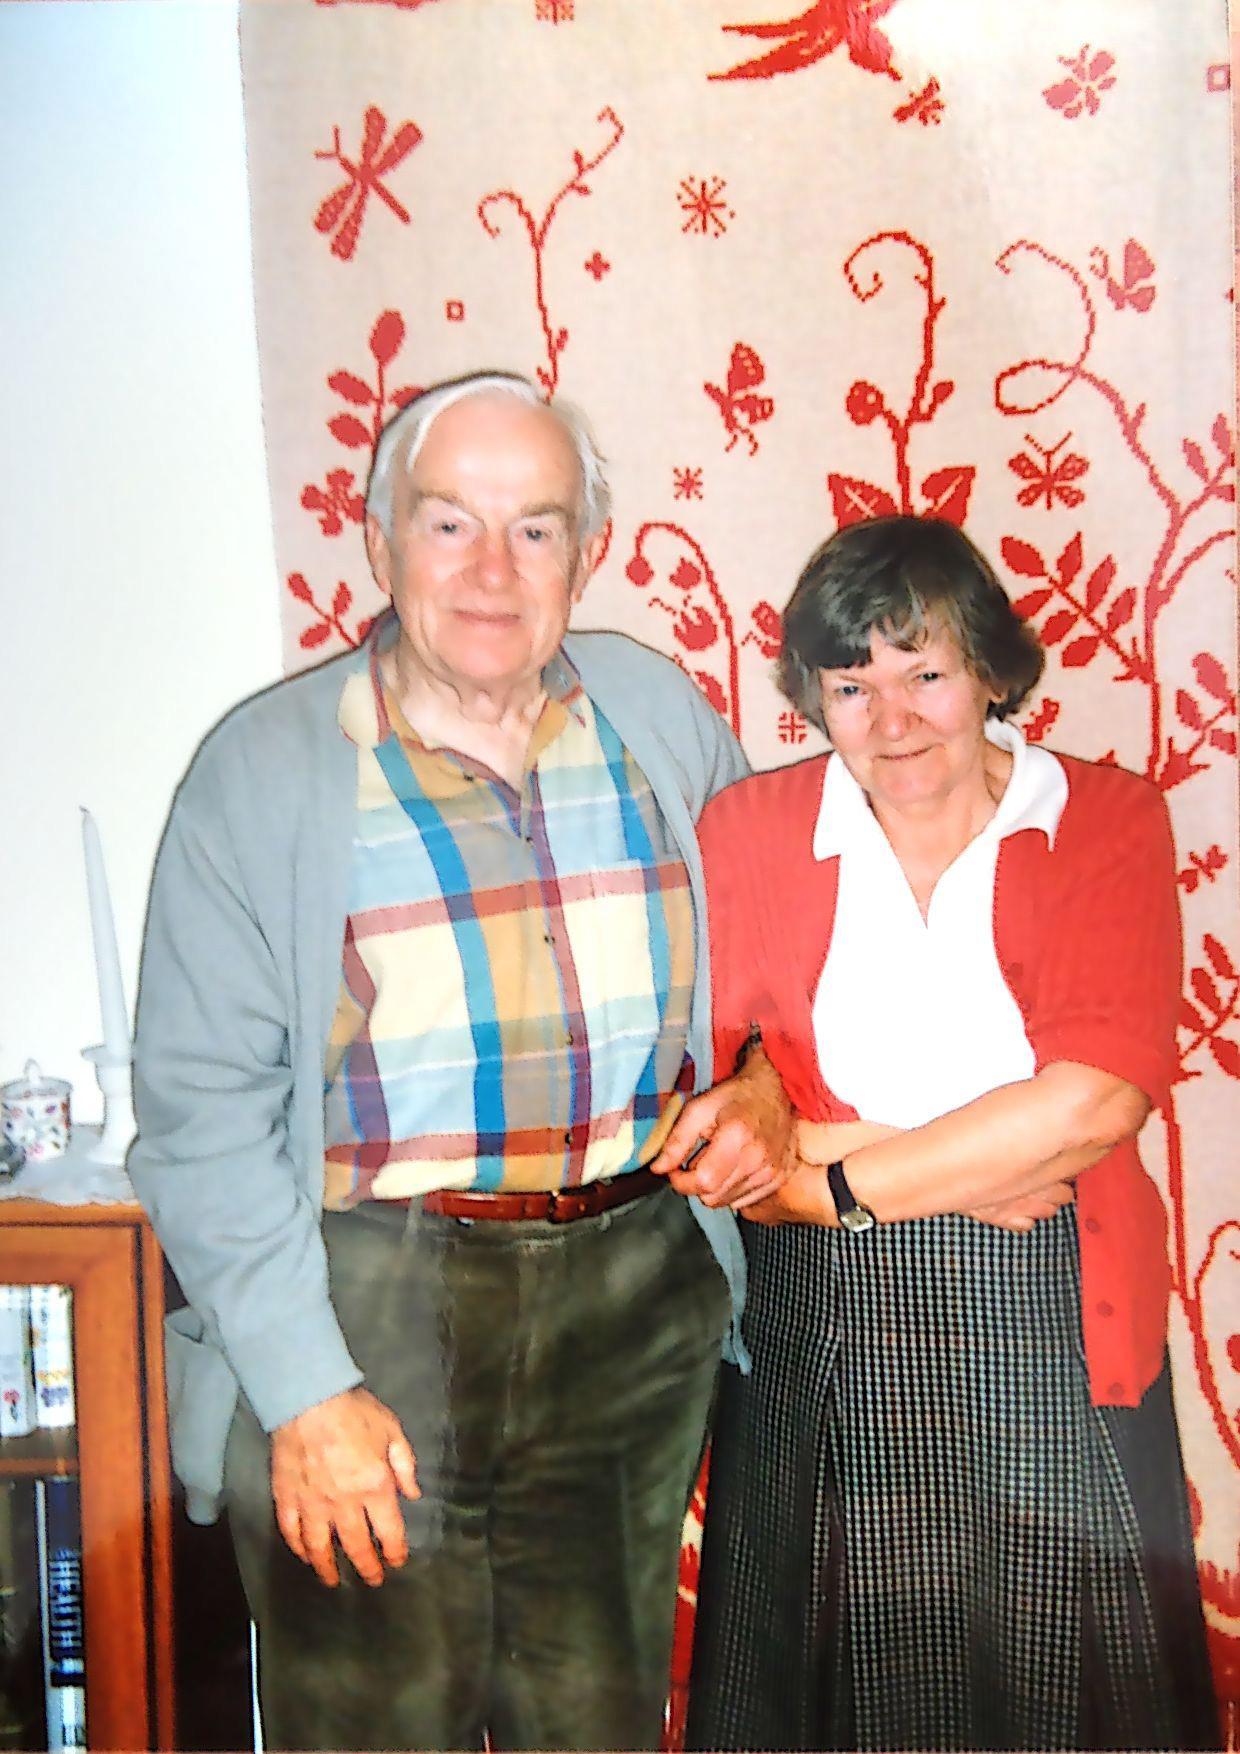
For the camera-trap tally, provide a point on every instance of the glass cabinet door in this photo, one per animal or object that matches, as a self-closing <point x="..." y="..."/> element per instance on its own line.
<point x="42" y="1626"/>
<point x="85" y="1534"/>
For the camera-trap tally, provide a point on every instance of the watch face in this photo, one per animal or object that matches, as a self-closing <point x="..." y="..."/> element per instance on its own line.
<point x="857" y="1218"/>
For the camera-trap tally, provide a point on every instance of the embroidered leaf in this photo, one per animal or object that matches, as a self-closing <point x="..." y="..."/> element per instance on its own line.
<point x="1224" y="740"/>
<point x="1023" y="558"/>
<point x="314" y="636"/>
<point x="1079" y="652"/>
<point x="1099" y="583"/>
<point x="1069" y="562"/>
<point x="297" y="587"/>
<point x="1212" y="677"/>
<point x="1226" y="1055"/>
<point x="1031" y="602"/>
<point x="342" y="599"/>
<point x="1189" y="711"/>
<point x="351" y="388"/>
<point x="947" y="492"/>
<point x="1195" y="457"/>
<point x="1121" y="610"/>
<point x="386" y="337"/>
<point x="1220" y="432"/>
<point x="1059" y="624"/>
<point x="1220" y="962"/>
<point x="1191" y="1018"/>
<point x="853" y="501"/>
<point x="349" y="430"/>
<point x="1205" y="990"/>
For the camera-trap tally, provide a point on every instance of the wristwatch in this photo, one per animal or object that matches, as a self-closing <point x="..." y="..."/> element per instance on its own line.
<point x="851" y="1215"/>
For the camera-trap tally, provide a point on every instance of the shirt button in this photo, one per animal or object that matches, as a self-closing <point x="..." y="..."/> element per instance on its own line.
<point x="1093" y="1226"/>
<point x="568" y="1138"/>
<point x="1117" y="1391"/>
<point x="1104" y="1308"/>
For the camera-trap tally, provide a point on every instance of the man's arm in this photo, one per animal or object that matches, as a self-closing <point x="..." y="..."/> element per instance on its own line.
<point x="212" y="1165"/>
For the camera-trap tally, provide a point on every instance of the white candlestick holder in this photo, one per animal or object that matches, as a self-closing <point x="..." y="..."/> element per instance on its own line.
<point x="115" y="1075"/>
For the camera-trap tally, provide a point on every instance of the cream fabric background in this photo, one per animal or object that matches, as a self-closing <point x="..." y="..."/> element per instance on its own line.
<point x="941" y="255"/>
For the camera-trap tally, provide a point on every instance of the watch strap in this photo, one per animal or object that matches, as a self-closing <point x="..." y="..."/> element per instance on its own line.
<point x="851" y="1214"/>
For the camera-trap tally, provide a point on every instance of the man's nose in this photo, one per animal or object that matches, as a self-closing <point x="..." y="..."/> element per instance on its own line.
<point x="494" y="558"/>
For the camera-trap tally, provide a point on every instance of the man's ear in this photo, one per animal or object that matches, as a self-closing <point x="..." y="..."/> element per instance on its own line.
<point x="379" y="554"/>
<point x="592" y="551"/>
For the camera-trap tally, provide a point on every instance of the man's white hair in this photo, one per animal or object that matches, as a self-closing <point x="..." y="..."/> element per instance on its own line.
<point x="405" y="434"/>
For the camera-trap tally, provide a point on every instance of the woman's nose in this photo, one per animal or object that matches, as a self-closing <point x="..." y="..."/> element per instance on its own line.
<point x="891" y="718"/>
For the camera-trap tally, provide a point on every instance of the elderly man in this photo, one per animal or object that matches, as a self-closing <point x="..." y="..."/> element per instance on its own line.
<point x="424" y="982"/>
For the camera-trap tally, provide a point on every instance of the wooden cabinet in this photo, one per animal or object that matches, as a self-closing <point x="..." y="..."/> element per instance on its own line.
<point x="109" y="1258"/>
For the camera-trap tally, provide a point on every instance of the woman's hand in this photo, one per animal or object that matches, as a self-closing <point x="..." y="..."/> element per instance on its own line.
<point x="803" y="1198"/>
<point x="1024" y="1210"/>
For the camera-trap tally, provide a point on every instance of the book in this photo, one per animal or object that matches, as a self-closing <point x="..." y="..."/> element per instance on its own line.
<point x="17" y="1398"/>
<point x="59" y="1530"/>
<point x="51" y="1331"/>
<point x="21" y="1640"/>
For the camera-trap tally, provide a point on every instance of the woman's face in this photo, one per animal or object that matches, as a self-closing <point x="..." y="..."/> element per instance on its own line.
<point x="908" y="726"/>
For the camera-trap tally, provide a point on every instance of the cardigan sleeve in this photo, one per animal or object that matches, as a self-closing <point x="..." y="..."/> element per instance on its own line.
<point x="1109" y="958"/>
<point x="212" y="1086"/>
<point x="738" y="992"/>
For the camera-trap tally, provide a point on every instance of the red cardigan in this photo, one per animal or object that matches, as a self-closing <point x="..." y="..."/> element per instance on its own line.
<point x="1088" y="941"/>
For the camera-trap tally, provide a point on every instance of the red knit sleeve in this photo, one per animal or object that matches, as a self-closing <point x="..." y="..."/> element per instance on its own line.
<point x="728" y="833"/>
<point x="1108" y="986"/>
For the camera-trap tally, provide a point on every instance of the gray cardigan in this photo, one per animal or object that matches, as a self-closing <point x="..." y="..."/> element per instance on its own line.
<point x="239" y="984"/>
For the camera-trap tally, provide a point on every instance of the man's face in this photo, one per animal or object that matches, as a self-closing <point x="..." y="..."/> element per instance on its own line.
<point x="485" y="560"/>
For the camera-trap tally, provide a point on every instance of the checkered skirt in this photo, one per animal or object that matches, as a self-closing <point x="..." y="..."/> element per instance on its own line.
<point x="920" y="1534"/>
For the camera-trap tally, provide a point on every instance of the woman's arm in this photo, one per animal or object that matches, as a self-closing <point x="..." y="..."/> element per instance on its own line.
<point x="1026" y="1139"/>
<point x="1004" y="1144"/>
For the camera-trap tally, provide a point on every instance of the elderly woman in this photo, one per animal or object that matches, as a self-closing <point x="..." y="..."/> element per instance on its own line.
<point x="947" y="1508"/>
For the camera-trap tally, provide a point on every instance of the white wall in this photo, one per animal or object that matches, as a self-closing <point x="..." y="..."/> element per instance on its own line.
<point x="137" y="576"/>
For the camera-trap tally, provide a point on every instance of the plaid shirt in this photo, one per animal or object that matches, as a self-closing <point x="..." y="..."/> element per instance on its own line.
<point x="517" y="967"/>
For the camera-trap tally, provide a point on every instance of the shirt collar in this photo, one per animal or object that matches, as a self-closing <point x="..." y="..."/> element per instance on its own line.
<point x="366" y="712"/>
<point x="1034" y="797"/>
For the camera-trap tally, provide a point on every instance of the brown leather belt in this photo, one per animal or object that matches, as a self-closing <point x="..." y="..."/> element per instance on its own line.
<point x="562" y="1206"/>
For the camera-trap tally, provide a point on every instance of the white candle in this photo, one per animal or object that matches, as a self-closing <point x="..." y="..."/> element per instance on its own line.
<point x="112" y="1008"/>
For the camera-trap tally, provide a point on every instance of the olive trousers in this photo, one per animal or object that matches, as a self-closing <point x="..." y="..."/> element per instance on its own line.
<point x="555" y="1382"/>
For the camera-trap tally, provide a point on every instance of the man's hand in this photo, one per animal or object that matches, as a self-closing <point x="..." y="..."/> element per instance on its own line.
<point x="744" y="1127"/>
<point x="335" y="1470"/>
<point x="1023" y="1211"/>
